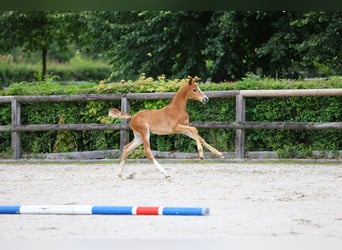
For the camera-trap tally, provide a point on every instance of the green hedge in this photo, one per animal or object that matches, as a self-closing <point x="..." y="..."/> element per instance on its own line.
<point x="288" y="143"/>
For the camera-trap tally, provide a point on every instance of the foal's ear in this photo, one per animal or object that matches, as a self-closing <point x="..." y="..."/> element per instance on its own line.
<point x="192" y="80"/>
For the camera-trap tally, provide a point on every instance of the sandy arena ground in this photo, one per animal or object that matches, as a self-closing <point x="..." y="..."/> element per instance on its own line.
<point x="246" y="200"/>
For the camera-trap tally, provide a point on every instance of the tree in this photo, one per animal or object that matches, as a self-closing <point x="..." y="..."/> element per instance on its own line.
<point x="305" y="41"/>
<point x="222" y="45"/>
<point x="151" y="42"/>
<point x="232" y="37"/>
<point x="37" y="30"/>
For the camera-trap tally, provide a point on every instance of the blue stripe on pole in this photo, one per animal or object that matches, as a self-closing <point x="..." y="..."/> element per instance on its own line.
<point x="9" y="209"/>
<point x="185" y="211"/>
<point x="112" y="210"/>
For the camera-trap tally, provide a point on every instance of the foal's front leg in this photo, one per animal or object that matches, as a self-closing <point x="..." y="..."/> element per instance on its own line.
<point x="212" y="149"/>
<point x="205" y="144"/>
<point x="192" y="132"/>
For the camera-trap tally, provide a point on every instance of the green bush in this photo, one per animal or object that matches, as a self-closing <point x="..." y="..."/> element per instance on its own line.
<point x="288" y="143"/>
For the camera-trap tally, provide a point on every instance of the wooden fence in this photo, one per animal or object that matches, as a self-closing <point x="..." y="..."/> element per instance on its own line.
<point x="240" y="124"/>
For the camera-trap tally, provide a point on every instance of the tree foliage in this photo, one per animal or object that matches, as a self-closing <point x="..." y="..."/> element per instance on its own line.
<point x="310" y="41"/>
<point x="222" y="45"/>
<point x="38" y="30"/>
<point x="157" y="43"/>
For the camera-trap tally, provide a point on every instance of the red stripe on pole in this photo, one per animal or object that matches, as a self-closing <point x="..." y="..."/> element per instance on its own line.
<point x="147" y="210"/>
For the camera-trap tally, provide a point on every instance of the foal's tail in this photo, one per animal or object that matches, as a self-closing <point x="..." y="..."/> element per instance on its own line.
<point x="113" y="112"/>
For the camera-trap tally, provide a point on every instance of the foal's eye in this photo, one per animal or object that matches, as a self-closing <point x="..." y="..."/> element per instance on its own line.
<point x="194" y="90"/>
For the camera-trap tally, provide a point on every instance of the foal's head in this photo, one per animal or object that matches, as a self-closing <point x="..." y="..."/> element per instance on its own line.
<point x="195" y="93"/>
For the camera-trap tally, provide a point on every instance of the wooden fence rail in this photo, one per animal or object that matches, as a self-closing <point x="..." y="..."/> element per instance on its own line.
<point x="240" y="124"/>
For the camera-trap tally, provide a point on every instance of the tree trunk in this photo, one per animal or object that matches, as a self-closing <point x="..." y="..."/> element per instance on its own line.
<point x="44" y="55"/>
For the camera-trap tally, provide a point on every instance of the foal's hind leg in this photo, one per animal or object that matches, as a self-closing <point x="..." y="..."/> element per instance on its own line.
<point x="127" y="150"/>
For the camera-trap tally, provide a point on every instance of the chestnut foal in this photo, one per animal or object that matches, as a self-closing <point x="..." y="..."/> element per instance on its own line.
<point x="172" y="119"/>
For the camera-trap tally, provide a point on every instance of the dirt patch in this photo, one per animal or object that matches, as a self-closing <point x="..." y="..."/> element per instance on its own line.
<point x="245" y="199"/>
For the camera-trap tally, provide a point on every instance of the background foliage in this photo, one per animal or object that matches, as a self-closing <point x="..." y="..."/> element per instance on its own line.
<point x="222" y="45"/>
<point x="39" y="31"/>
<point x="218" y="45"/>
<point x="42" y="51"/>
<point x="288" y="143"/>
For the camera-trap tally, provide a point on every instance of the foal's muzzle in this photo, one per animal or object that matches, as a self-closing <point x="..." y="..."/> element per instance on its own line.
<point x="205" y="100"/>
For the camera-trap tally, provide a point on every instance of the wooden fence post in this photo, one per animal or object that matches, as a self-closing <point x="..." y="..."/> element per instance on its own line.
<point x="15" y="136"/>
<point x="124" y="134"/>
<point x="240" y="133"/>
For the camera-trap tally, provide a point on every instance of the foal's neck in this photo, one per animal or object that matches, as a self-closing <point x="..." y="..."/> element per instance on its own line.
<point x="180" y="99"/>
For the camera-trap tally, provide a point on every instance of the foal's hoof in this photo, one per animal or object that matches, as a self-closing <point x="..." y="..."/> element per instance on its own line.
<point x="127" y="177"/>
<point x="221" y="156"/>
<point x="130" y="176"/>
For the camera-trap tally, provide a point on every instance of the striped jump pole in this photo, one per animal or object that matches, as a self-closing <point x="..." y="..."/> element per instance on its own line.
<point x="103" y="210"/>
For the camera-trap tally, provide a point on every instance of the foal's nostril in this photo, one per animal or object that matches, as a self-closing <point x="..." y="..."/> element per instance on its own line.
<point x="205" y="100"/>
